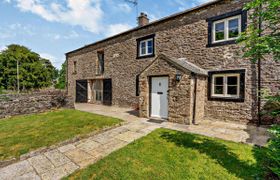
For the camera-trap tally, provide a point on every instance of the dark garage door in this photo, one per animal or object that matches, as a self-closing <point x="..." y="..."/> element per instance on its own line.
<point x="107" y="92"/>
<point x="81" y="91"/>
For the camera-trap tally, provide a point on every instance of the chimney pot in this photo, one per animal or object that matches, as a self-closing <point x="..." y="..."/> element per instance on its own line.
<point x="143" y="19"/>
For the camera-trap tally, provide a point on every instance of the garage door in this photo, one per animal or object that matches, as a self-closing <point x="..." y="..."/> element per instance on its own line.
<point x="81" y="91"/>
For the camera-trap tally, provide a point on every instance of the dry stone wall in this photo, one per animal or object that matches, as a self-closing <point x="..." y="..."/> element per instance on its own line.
<point x="17" y="104"/>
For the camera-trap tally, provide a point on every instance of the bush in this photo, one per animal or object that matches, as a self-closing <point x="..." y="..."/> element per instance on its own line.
<point x="272" y="163"/>
<point x="271" y="110"/>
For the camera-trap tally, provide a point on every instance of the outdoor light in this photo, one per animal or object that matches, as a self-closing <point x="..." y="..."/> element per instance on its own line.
<point x="178" y="76"/>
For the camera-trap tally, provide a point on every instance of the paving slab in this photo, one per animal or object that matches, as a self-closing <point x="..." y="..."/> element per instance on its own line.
<point x="129" y="136"/>
<point x="78" y="155"/>
<point x="41" y="163"/>
<point x="88" y="145"/>
<point x="57" y="158"/>
<point x="66" y="148"/>
<point x="28" y="176"/>
<point x="60" y="172"/>
<point x="15" y="170"/>
<point x="102" y="139"/>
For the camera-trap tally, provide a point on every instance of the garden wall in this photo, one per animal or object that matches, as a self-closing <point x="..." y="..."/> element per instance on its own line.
<point x="34" y="102"/>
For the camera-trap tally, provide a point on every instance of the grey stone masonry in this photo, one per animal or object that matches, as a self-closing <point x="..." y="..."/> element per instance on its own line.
<point x="183" y="36"/>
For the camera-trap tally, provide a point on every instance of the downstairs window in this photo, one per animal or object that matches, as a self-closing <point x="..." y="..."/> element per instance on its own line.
<point x="226" y="85"/>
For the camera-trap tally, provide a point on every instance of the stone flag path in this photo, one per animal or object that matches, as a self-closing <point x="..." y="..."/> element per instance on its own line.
<point x="64" y="160"/>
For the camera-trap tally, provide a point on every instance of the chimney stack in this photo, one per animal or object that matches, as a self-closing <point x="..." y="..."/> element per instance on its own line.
<point x="143" y="19"/>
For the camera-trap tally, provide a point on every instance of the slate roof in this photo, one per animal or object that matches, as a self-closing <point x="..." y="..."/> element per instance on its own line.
<point x="184" y="64"/>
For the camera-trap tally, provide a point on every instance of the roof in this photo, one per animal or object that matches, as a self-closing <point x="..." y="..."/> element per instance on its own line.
<point x="150" y="24"/>
<point x="181" y="63"/>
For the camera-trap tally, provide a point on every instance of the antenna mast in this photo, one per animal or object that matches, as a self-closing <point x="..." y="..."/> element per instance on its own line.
<point x="135" y="4"/>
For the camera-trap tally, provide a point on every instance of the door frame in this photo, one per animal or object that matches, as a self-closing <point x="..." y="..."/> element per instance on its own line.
<point x="150" y="93"/>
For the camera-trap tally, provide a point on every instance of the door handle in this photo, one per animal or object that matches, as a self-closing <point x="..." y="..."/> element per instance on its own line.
<point x="160" y="93"/>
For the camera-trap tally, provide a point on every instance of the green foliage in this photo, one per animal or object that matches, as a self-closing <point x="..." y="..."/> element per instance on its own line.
<point x="272" y="162"/>
<point x="34" y="71"/>
<point x="61" y="77"/>
<point x="266" y="12"/>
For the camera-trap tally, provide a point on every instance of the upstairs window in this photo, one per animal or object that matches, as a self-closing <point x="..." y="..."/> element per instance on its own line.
<point x="145" y="47"/>
<point x="226" y="85"/>
<point x="100" y="63"/>
<point x="225" y="29"/>
<point x="75" y="67"/>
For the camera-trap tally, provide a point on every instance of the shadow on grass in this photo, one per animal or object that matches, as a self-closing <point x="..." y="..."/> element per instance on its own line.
<point x="220" y="152"/>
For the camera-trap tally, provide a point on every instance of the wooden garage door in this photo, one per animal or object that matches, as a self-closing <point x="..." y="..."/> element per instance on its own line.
<point x="81" y="91"/>
<point x="107" y="92"/>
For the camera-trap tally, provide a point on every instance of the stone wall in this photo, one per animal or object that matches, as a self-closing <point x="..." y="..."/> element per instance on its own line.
<point x="17" y="104"/>
<point x="183" y="36"/>
<point x="180" y="93"/>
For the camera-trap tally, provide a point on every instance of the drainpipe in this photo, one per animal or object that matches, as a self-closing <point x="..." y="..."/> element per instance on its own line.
<point x="259" y="74"/>
<point x="194" y="98"/>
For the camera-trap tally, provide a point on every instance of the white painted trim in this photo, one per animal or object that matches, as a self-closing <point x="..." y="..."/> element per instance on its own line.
<point x="225" y="85"/>
<point x="226" y="28"/>
<point x="146" y="46"/>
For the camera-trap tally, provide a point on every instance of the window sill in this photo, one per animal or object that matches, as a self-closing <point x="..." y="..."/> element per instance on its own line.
<point x="226" y="99"/>
<point x="221" y="43"/>
<point x="146" y="56"/>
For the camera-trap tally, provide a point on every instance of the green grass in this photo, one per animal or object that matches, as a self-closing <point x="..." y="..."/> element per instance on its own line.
<point x="167" y="154"/>
<point x="21" y="134"/>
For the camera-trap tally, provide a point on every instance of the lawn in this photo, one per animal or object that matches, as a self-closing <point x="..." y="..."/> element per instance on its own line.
<point x="21" y="134"/>
<point x="168" y="154"/>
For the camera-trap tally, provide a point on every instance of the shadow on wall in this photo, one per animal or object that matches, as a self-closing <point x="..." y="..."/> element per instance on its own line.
<point x="219" y="152"/>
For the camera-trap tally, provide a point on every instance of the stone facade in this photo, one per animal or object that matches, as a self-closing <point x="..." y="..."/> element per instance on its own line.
<point x="17" y="104"/>
<point x="181" y="36"/>
<point x="180" y="93"/>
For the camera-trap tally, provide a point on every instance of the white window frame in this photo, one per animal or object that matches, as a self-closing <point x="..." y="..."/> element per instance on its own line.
<point x="146" y="45"/>
<point x="225" y="85"/>
<point x="226" y="29"/>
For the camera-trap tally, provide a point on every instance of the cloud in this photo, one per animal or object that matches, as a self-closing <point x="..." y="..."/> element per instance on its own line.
<point x="54" y="60"/>
<point x="124" y="8"/>
<point x="2" y="48"/>
<point x="70" y="35"/>
<point x="116" y="29"/>
<point x="84" y="13"/>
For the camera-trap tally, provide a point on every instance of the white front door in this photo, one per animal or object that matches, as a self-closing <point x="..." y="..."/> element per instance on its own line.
<point x="159" y="97"/>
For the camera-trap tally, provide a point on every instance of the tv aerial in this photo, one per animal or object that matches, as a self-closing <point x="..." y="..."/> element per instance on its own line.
<point x="135" y="4"/>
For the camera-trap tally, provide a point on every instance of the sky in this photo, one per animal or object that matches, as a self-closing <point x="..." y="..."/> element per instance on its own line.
<point x="52" y="28"/>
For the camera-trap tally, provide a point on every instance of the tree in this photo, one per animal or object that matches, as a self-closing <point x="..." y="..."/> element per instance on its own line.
<point x="61" y="77"/>
<point x="34" y="71"/>
<point x="262" y="36"/>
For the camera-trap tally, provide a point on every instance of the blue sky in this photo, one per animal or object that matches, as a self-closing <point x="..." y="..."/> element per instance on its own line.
<point x="54" y="27"/>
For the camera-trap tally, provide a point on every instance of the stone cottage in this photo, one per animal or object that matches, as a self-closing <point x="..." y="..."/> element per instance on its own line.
<point x="183" y="68"/>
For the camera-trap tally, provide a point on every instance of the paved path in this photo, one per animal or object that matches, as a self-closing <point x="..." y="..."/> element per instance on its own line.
<point x="64" y="160"/>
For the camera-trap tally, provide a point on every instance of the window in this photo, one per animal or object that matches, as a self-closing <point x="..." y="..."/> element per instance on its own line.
<point x="226" y="28"/>
<point x="98" y="88"/>
<point x="227" y="85"/>
<point x="137" y="86"/>
<point x="100" y="63"/>
<point x="75" y="67"/>
<point x="145" y="47"/>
